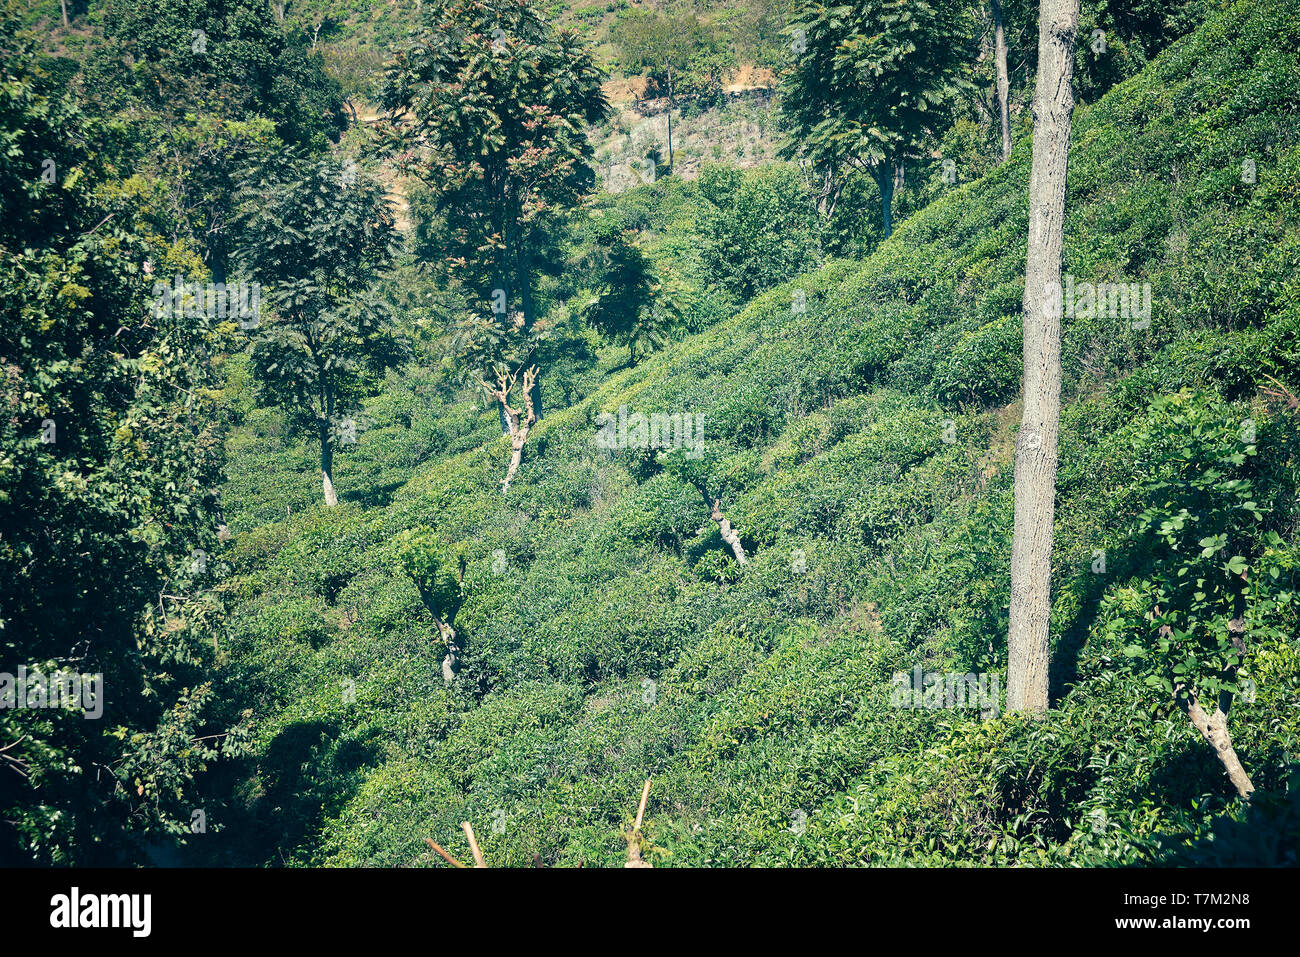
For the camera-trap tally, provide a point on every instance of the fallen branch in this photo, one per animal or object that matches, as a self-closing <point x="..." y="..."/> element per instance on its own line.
<point x="445" y="856"/>
<point x="1281" y="393"/>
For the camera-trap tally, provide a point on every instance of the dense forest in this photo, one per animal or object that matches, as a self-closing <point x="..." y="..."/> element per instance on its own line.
<point x="660" y="433"/>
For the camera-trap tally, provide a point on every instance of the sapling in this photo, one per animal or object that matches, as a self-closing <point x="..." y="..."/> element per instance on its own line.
<point x="1218" y="582"/>
<point x="437" y="572"/>
<point x="696" y="467"/>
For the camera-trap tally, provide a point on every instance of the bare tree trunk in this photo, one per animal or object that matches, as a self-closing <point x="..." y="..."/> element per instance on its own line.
<point x="64" y="5"/>
<point x="518" y="423"/>
<point x="670" y="119"/>
<point x="729" y="534"/>
<point x="327" y="463"/>
<point x="1028" y="649"/>
<point x="885" y="181"/>
<point x="517" y="440"/>
<point x="1215" y="729"/>
<point x="452" y="658"/>
<point x="1003" y="81"/>
<point x="635" y="857"/>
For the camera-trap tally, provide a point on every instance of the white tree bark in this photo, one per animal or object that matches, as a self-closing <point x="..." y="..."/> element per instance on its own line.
<point x="729" y="534"/>
<point x="1003" y="81"/>
<point x="1028" y="648"/>
<point x="1215" y="729"/>
<point x="517" y="423"/>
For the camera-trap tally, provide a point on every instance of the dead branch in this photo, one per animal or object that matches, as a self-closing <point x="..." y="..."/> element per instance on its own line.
<point x="473" y="844"/>
<point x="443" y="854"/>
<point x="1281" y="394"/>
<point x="633" y="837"/>
<point x="518" y="422"/>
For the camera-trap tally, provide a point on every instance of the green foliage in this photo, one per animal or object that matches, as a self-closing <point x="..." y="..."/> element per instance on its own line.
<point x="629" y="305"/>
<point x="199" y="53"/>
<point x="1211" y="558"/>
<point x="869" y="82"/>
<point x="983" y="366"/>
<point x="860" y="448"/>
<point x="433" y="568"/>
<point x="497" y="101"/>
<point x="316" y="234"/>
<point x="110" y="462"/>
<point x="652" y="43"/>
<point x="759" y="229"/>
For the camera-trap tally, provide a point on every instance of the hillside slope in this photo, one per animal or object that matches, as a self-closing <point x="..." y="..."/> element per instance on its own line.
<point x="862" y="448"/>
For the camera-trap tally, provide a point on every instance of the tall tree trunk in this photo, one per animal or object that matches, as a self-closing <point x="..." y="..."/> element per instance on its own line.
<point x="530" y="315"/>
<point x="1003" y="81"/>
<point x="670" y="119"/>
<point x="1028" y="648"/>
<point x="885" y="180"/>
<point x="64" y="5"/>
<point x="327" y="462"/>
<point x="499" y="282"/>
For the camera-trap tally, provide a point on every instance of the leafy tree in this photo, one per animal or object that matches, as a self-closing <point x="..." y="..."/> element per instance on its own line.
<point x="316" y="235"/>
<point x="869" y="84"/>
<point x="110" y="455"/>
<point x="760" y="229"/>
<point x="754" y="29"/>
<point x="1118" y="38"/>
<point x="226" y="56"/>
<point x="487" y="105"/>
<point x="437" y="573"/>
<point x="628" y="305"/>
<point x="205" y="90"/>
<point x="676" y="51"/>
<point x="1216" y="581"/>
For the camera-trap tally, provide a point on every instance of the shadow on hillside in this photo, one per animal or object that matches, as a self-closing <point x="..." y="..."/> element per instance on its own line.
<point x="308" y="771"/>
<point x="1123" y="563"/>
<point x="1064" y="668"/>
<point x="379" y="496"/>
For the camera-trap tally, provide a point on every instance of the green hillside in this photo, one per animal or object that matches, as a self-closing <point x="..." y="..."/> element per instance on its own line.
<point x="862" y="447"/>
